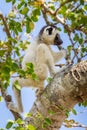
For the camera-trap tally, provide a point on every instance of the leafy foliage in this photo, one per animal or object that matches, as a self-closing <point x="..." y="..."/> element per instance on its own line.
<point x="71" y="17"/>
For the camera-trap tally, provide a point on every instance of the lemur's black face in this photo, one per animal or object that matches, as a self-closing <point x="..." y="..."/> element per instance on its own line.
<point x="57" y="40"/>
<point x="50" y="35"/>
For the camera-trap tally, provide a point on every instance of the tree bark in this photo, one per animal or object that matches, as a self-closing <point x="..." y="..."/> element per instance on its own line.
<point x="66" y="89"/>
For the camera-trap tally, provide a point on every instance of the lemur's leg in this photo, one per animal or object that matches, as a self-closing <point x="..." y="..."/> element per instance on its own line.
<point x="17" y="93"/>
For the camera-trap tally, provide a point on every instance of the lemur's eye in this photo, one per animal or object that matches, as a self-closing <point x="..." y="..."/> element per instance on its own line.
<point x="49" y="30"/>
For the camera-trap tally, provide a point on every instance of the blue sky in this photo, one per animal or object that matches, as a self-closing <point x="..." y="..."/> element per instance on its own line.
<point x="28" y="94"/>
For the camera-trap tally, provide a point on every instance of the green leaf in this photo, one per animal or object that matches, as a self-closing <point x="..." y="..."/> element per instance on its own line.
<point x="15" y="26"/>
<point x="69" y="49"/>
<point x="47" y="121"/>
<point x="8" y="0"/>
<point x="14" y="66"/>
<point x="31" y="25"/>
<point x="29" y="65"/>
<point x="2" y="52"/>
<point x="76" y="37"/>
<point x="9" y="124"/>
<point x="20" y="4"/>
<point x="63" y="10"/>
<point x="28" y="115"/>
<point x="84" y="49"/>
<point x="1" y="98"/>
<point x="34" y="76"/>
<point x="74" y="112"/>
<point x="59" y="29"/>
<point x="30" y="68"/>
<point x="12" y="15"/>
<point x="6" y="82"/>
<point x="25" y="10"/>
<point x="35" y="18"/>
<point x="13" y="40"/>
<point x="82" y="2"/>
<point x="17" y="86"/>
<point x="52" y="7"/>
<point x="21" y="72"/>
<point x="5" y="71"/>
<point x="80" y="104"/>
<point x="17" y="50"/>
<point x="36" y="12"/>
<point x="13" y="1"/>
<point x="67" y="113"/>
<point x="84" y="103"/>
<point x="85" y="7"/>
<point x="31" y="127"/>
<point x="20" y="122"/>
<point x="49" y="79"/>
<point x="51" y="112"/>
<point x="24" y="45"/>
<point x="18" y="26"/>
<point x="28" y="30"/>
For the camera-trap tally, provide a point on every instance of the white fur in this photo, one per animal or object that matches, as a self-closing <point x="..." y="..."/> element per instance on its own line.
<point x="44" y="59"/>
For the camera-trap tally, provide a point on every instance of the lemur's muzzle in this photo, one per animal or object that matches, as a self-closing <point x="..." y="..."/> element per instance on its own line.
<point x="57" y="40"/>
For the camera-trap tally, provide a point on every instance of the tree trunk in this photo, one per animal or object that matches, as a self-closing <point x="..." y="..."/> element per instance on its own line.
<point x="66" y="89"/>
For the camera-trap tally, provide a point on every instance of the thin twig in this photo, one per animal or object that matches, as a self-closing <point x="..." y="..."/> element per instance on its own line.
<point x="7" y="99"/>
<point x="75" y="51"/>
<point x="76" y="7"/>
<point x="57" y="18"/>
<point x="62" y="5"/>
<point x="84" y="56"/>
<point x="6" y="29"/>
<point x="74" y="125"/>
<point x="45" y="17"/>
<point x="5" y="25"/>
